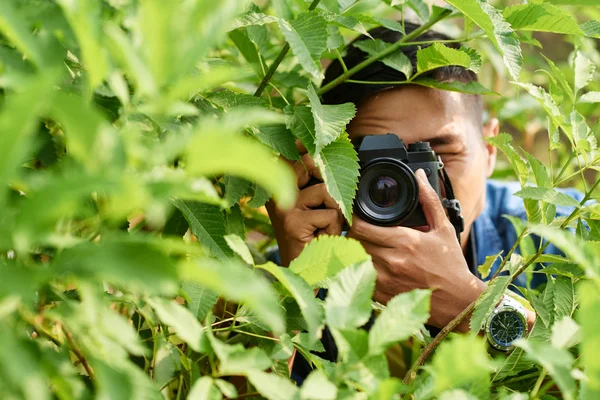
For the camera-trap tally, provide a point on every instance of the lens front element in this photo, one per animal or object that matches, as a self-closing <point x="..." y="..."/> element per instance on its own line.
<point x="384" y="191"/>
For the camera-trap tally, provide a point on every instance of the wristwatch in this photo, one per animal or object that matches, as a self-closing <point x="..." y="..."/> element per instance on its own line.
<point x="506" y="324"/>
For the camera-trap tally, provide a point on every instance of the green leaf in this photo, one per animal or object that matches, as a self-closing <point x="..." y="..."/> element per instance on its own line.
<point x="352" y="344"/>
<point x="462" y="363"/>
<point x="271" y="386"/>
<point x="237" y="282"/>
<point x="560" y="77"/>
<point x="497" y="29"/>
<point x="484" y="269"/>
<point x="589" y="97"/>
<point x="304" y="296"/>
<point x="307" y="37"/>
<point x="300" y="121"/>
<point x="252" y="18"/>
<point x="239" y="246"/>
<point x="565" y="333"/>
<point x="546" y="101"/>
<point x="590" y="339"/>
<point x="330" y="120"/>
<point x="397" y="60"/>
<point x="325" y="256"/>
<point x="180" y="319"/>
<point x="455" y="86"/>
<point x="557" y="362"/>
<point x="204" y="389"/>
<point x="487" y="301"/>
<point x="548" y="195"/>
<point x="563" y="297"/>
<point x="541" y="17"/>
<point x="348" y="302"/>
<point x="135" y="264"/>
<point x="242" y="157"/>
<point x="338" y="164"/>
<point x="16" y="30"/>
<point x="437" y="55"/>
<point x="207" y="223"/>
<point x="584" y="71"/>
<point x="316" y="386"/>
<point x="591" y="29"/>
<point x="540" y="173"/>
<point x="235" y="189"/>
<point x="279" y="138"/>
<point x="502" y="141"/>
<point x="402" y="317"/>
<point x="200" y="299"/>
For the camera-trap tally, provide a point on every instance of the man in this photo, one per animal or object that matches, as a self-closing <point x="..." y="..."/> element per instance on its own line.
<point x="427" y="257"/>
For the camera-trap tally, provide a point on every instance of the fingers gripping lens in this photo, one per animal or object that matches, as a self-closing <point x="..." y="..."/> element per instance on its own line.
<point x="384" y="191"/>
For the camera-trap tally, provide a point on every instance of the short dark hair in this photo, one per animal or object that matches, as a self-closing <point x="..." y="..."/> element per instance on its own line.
<point x="355" y="93"/>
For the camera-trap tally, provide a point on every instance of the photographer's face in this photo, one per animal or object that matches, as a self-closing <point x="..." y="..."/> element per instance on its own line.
<point x="449" y="121"/>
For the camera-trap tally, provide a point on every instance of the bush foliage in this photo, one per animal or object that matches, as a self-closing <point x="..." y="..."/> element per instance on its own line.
<point x="139" y="143"/>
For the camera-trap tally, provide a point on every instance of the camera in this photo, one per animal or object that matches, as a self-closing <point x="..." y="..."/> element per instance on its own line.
<point x="388" y="192"/>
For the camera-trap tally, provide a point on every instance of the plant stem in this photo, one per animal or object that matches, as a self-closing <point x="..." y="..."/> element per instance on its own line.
<point x="538" y="383"/>
<point x="407" y="38"/>
<point x="510" y="253"/>
<point x="246" y="395"/>
<point x="412" y="373"/>
<point x="263" y="84"/>
<point x="255" y="335"/>
<point x="78" y="353"/>
<point x="180" y="386"/>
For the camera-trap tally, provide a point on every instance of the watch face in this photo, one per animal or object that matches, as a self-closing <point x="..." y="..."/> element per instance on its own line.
<point x="506" y="327"/>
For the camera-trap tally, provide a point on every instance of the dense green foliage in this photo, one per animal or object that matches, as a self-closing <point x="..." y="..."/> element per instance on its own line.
<point x="139" y="142"/>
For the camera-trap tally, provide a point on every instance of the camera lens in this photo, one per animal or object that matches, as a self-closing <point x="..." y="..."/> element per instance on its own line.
<point x="384" y="191"/>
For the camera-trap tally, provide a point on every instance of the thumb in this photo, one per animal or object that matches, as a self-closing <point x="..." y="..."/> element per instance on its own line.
<point x="432" y="206"/>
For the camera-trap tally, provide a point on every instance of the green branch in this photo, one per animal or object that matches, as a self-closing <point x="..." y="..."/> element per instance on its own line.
<point x="412" y="373"/>
<point x="265" y="81"/>
<point x="391" y="49"/>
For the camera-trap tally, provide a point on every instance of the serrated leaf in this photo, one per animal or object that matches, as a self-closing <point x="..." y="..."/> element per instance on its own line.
<point x="207" y="223"/>
<point x="455" y="86"/>
<point x="565" y="333"/>
<point x="556" y="361"/>
<point x="338" y="164"/>
<point x="589" y="97"/>
<point x="271" y="386"/>
<point x="180" y="319"/>
<point x="560" y="77"/>
<point x="348" y="302"/>
<point x="300" y="121"/>
<point x="484" y="269"/>
<point x="502" y="141"/>
<point x="497" y="29"/>
<point x="235" y="281"/>
<point x="421" y="8"/>
<point x="252" y="18"/>
<point x="239" y="246"/>
<point x="546" y="101"/>
<point x="325" y="256"/>
<point x="304" y="296"/>
<point x="13" y="27"/>
<point x="590" y="339"/>
<point x="397" y="60"/>
<point x="378" y="21"/>
<point x="235" y="189"/>
<point x="204" y="389"/>
<point x="316" y="386"/>
<point x="548" y="195"/>
<point x="279" y="138"/>
<point x="541" y="17"/>
<point x="584" y="71"/>
<point x="487" y="301"/>
<point x="437" y="55"/>
<point x="540" y="173"/>
<point x="330" y="120"/>
<point x="199" y="299"/>
<point x="403" y="316"/>
<point x="563" y="297"/>
<point x="352" y="344"/>
<point x="307" y="37"/>
<point x="591" y="29"/>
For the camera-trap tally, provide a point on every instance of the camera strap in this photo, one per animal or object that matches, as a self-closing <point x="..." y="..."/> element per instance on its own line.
<point x="452" y="205"/>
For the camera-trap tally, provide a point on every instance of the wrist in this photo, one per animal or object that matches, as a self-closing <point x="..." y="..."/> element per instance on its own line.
<point x="447" y="304"/>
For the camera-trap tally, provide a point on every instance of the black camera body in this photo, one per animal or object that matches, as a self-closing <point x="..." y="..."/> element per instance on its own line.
<point x="388" y="191"/>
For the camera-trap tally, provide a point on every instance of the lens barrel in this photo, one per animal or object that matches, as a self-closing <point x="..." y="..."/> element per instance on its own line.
<point x="387" y="192"/>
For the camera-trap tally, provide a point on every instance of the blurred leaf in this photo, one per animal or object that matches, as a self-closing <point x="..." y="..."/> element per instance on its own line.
<point x="204" y="389"/>
<point x="325" y="256"/>
<point x="397" y="60"/>
<point x="541" y="17"/>
<point x="551" y="196"/>
<point x="180" y="319"/>
<point x="316" y="386"/>
<point x="484" y="269"/>
<point x="352" y="344"/>
<point x="590" y="339"/>
<point x="307" y="37"/>
<point x="207" y="223"/>
<point x="235" y="281"/>
<point x="556" y="361"/>
<point x="338" y="163"/>
<point x="502" y="141"/>
<point x="591" y="29"/>
<point x="488" y="301"/>
<point x="589" y="97"/>
<point x="497" y="29"/>
<point x="243" y="157"/>
<point x="462" y="363"/>
<point x="271" y="386"/>
<point x="304" y="296"/>
<point x="15" y="29"/>
<point x="455" y="86"/>
<point x="330" y="120"/>
<point x="240" y="248"/>
<point x="200" y="299"/>
<point x="402" y="317"/>
<point x="584" y="71"/>
<point x="565" y="333"/>
<point x="348" y="302"/>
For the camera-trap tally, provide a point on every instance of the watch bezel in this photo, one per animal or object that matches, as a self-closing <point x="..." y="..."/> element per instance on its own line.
<point x="496" y="311"/>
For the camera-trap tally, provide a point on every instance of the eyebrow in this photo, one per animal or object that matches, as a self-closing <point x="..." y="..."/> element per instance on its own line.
<point x="446" y="138"/>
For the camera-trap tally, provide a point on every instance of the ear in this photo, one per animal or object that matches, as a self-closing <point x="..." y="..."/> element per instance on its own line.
<point x="491" y="129"/>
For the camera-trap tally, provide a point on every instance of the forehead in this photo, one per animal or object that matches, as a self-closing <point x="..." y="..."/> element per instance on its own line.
<point x="416" y="113"/>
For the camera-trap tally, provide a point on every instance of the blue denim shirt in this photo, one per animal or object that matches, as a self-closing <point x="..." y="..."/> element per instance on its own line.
<point x="494" y="233"/>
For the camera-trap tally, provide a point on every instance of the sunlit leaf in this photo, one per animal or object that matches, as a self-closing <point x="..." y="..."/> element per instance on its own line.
<point x="541" y="17"/>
